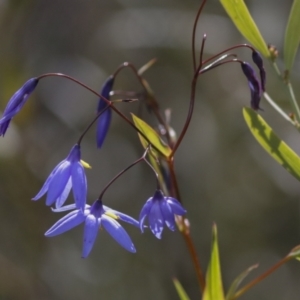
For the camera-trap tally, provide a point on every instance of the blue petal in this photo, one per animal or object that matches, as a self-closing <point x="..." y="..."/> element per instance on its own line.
<point x="144" y="212"/>
<point x="58" y="182"/>
<point x="66" y="223"/>
<point x="103" y="126"/>
<point x="176" y="206"/>
<point x="118" y="233"/>
<point x="79" y="185"/>
<point x="90" y="233"/>
<point x="122" y="217"/>
<point x="3" y="127"/>
<point x="45" y="187"/>
<point x="64" y="195"/>
<point x="156" y="220"/>
<point x="64" y="208"/>
<point x="168" y="214"/>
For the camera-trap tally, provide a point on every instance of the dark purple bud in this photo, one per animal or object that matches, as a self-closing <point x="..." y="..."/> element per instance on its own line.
<point x="259" y="62"/>
<point x="104" y="120"/>
<point x="16" y="102"/>
<point x="254" y="85"/>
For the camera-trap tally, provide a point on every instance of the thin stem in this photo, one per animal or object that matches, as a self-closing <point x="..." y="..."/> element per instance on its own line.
<point x="91" y="123"/>
<point x="293" y="101"/>
<point x="202" y="49"/>
<point x="122" y="172"/>
<point x="194" y="34"/>
<point x="279" y="110"/>
<point x="142" y="158"/>
<point x="260" y="278"/>
<point x="185" y="231"/>
<point x="154" y="103"/>
<point x="103" y="98"/>
<point x="227" y="50"/>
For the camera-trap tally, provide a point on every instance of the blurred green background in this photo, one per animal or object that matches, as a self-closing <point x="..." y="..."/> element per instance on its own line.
<point x="224" y="175"/>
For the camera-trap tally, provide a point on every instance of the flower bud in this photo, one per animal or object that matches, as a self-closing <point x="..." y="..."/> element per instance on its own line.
<point x="105" y="119"/>
<point x="16" y="102"/>
<point x="254" y="85"/>
<point x="259" y="62"/>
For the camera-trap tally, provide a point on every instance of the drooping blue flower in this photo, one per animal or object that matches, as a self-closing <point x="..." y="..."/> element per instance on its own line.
<point x="160" y="210"/>
<point x="105" y="119"/>
<point x="68" y="174"/>
<point x="256" y="57"/>
<point x="94" y="217"/>
<point x="16" y="102"/>
<point x="254" y="85"/>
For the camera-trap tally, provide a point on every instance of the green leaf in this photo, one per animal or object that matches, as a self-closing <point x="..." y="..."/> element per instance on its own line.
<point x="180" y="290"/>
<point x="295" y="252"/>
<point x="214" y="286"/>
<point x="278" y="149"/>
<point x="152" y="136"/>
<point x="292" y="35"/>
<point x="239" y="14"/>
<point x="234" y="286"/>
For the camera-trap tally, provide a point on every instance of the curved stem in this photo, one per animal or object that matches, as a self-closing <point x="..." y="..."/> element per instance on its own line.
<point x="142" y="158"/>
<point x="260" y="278"/>
<point x="228" y="49"/>
<point x="91" y="123"/>
<point x="154" y="103"/>
<point x="279" y="110"/>
<point x="194" y="34"/>
<point x="109" y="103"/>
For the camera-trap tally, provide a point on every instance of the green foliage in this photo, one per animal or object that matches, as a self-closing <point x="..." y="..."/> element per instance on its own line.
<point x="278" y="149"/>
<point x="239" y="14"/>
<point x="234" y="286"/>
<point x="292" y="35"/>
<point x="180" y="290"/>
<point x="214" y="286"/>
<point x="152" y="136"/>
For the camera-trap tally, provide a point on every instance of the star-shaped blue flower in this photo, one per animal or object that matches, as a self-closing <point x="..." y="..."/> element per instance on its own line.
<point x="16" y="102"/>
<point x="105" y="119"/>
<point x="66" y="175"/>
<point x="160" y="211"/>
<point x="94" y="217"/>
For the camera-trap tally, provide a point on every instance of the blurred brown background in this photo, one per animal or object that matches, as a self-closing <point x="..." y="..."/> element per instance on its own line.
<point x="224" y="175"/>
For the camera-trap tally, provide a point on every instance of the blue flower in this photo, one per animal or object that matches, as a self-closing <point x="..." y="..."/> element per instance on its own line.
<point x="254" y="85"/>
<point x="105" y="119"/>
<point x="160" y="210"/>
<point x="66" y="175"/>
<point x="94" y="217"/>
<point x="16" y="102"/>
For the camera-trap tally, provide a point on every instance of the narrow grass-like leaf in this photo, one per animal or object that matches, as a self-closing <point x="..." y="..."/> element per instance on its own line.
<point x="292" y="35"/>
<point x="152" y="136"/>
<point x="239" y="14"/>
<point x="214" y="286"/>
<point x="266" y="137"/>
<point x="234" y="286"/>
<point x="180" y="290"/>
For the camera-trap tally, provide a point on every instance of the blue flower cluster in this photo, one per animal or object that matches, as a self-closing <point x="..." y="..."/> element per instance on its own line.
<point x="70" y="174"/>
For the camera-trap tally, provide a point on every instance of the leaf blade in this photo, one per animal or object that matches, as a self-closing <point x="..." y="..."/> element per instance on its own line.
<point x="180" y="290"/>
<point x="292" y="35"/>
<point x="268" y="139"/>
<point x="239" y="14"/>
<point x="152" y="136"/>
<point x="214" y="286"/>
<point x="238" y="281"/>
